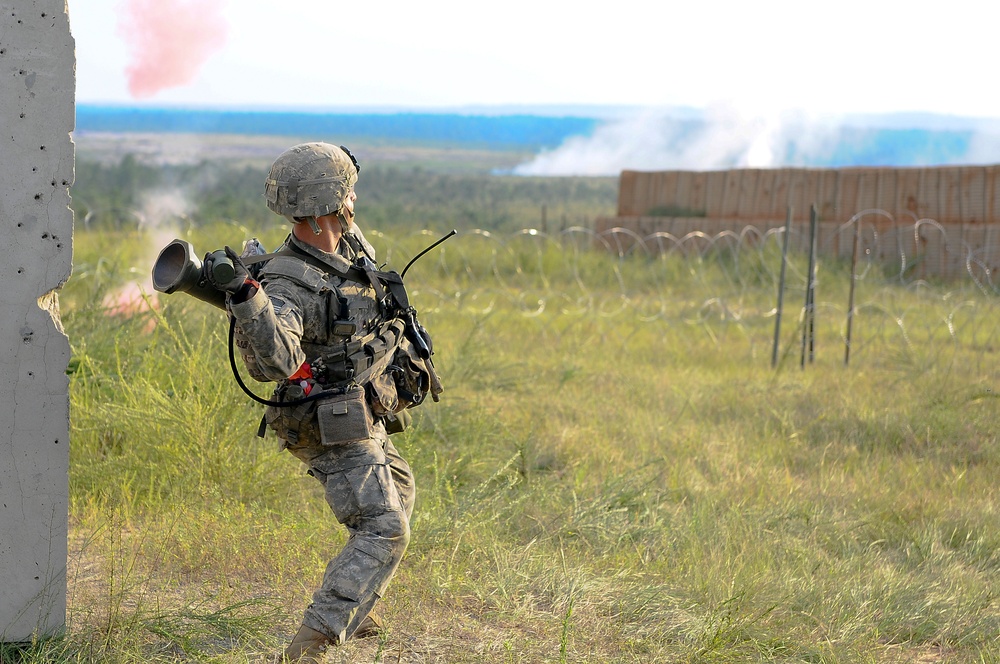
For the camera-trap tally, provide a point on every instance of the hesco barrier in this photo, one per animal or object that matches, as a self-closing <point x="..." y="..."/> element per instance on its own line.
<point x="937" y="220"/>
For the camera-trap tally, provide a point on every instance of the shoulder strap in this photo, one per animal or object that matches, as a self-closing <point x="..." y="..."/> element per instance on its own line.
<point x="298" y="271"/>
<point x="352" y="272"/>
<point x="372" y="277"/>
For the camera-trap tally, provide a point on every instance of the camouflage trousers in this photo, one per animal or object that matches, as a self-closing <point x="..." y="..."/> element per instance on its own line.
<point x="370" y="489"/>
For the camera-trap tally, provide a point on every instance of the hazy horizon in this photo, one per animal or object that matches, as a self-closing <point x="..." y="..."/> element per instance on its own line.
<point x="575" y="144"/>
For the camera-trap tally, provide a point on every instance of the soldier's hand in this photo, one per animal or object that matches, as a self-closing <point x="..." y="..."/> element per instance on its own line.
<point x="225" y="271"/>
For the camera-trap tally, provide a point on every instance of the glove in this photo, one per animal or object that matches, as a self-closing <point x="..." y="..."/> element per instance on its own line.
<point x="226" y="272"/>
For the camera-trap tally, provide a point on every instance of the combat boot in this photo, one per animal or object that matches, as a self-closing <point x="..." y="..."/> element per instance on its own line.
<point x="307" y="646"/>
<point x="369" y="627"/>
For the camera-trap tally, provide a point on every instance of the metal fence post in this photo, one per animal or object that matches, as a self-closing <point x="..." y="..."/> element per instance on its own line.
<point x="781" y="286"/>
<point x="808" y="327"/>
<point x="850" y="302"/>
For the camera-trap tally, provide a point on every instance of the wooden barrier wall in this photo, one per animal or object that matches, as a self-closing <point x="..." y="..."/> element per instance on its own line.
<point x="936" y="222"/>
<point x="948" y="195"/>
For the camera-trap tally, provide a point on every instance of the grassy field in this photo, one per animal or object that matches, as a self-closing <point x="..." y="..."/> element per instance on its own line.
<point x="615" y="472"/>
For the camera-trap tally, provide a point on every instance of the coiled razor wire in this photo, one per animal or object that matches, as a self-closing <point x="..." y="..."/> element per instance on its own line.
<point x="712" y="282"/>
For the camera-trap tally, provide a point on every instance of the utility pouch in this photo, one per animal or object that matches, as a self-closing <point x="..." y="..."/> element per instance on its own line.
<point x="397" y="422"/>
<point x="345" y="418"/>
<point x="294" y="425"/>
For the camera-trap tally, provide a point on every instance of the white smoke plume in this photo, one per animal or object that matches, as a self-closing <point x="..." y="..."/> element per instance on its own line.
<point x="661" y="140"/>
<point x="161" y="209"/>
<point x="159" y="215"/>
<point x="726" y="136"/>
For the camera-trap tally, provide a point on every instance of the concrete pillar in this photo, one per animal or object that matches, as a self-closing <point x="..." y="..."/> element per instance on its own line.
<point x="37" y="113"/>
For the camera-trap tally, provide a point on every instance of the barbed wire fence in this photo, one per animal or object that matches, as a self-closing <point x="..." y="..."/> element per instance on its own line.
<point x="727" y="286"/>
<point x="732" y="286"/>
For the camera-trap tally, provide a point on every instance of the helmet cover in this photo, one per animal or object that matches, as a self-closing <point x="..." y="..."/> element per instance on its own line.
<point x="310" y="180"/>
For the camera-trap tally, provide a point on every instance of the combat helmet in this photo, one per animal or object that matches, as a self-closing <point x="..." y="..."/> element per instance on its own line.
<point x="310" y="180"/>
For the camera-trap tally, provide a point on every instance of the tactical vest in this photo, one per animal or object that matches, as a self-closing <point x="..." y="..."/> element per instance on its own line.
<point x="352" y="339"/>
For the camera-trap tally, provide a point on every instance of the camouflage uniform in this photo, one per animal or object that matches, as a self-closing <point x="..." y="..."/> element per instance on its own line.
<point x="368" y="485"/>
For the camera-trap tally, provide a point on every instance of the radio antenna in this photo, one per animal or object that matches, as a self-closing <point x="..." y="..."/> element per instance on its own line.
<point x="414" y="259"/>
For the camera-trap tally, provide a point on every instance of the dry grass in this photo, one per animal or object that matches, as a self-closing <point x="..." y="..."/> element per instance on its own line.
<point x="592" y="488"/>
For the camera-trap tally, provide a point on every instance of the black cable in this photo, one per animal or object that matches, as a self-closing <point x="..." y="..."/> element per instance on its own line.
<point x="249" y="392"/>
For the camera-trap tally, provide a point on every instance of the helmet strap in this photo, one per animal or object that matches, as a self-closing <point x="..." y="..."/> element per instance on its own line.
<point x="315" y="227"/>
<point x="345" y="218"/>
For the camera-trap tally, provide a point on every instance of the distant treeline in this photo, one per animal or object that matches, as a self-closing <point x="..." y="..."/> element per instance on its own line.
<point x="530" y="132"/>
<point x="389" y="197"/>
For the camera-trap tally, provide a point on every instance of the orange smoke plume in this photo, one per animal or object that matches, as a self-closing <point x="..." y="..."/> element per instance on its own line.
<point x="168" y="41"/>
<point x="128" y="302"/>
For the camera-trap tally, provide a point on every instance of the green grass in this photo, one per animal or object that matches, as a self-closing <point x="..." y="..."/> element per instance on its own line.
<point x="615" y="472"/>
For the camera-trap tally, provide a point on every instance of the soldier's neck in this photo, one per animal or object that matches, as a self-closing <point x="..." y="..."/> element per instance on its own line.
<point x="328" y="240"/>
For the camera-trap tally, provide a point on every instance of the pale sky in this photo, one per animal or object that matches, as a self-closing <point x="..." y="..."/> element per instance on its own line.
<point x="844" y="56"/>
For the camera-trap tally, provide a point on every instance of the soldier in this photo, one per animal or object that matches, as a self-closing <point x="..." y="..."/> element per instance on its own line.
<point x="315" y="321"/>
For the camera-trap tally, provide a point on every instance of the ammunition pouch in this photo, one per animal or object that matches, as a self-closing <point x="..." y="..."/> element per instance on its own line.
<point x="344" y="418"/>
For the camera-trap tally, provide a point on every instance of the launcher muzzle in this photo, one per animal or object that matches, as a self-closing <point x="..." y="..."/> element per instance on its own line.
<point x="178" y="268"/>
